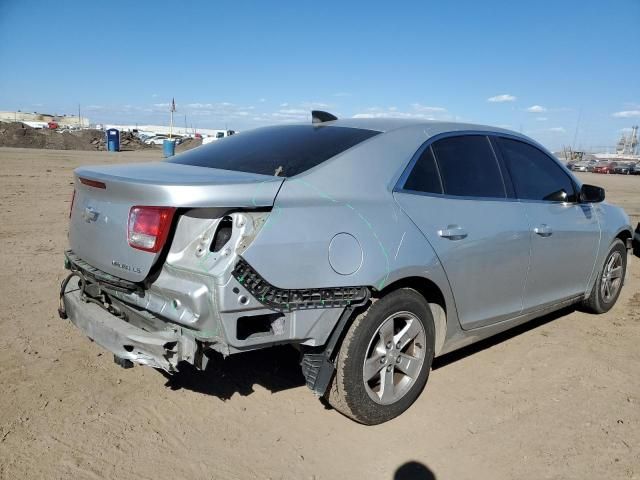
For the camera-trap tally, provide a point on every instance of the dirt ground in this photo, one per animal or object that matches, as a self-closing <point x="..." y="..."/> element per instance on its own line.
<point x="558" y="398"/>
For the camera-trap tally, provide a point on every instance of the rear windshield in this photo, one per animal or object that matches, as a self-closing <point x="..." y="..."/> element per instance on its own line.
<point x="282" y="151"/>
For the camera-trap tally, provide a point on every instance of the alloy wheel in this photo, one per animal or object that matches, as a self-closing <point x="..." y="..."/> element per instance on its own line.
<point x="611" y="277"/>
<point x="395" y="357"/>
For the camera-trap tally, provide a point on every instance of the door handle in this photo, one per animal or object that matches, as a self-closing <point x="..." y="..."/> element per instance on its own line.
<point x="543" y="230"/>
<point x="453" y="232"/>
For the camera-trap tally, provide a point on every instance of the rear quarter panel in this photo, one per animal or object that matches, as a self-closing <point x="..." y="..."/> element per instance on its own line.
<point x="351" y="193"/>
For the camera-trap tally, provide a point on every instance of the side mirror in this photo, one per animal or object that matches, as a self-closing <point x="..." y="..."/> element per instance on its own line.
<point x="591" y="194"/>
<point x="559" y="196"/>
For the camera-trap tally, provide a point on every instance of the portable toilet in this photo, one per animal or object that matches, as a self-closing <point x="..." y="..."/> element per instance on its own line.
<point x="168" y="148"/>
<point x="113" y="140"/>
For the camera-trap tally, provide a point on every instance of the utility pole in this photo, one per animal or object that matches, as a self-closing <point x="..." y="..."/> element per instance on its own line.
<point x="79" y="118"/>
<point x="575" y="135"/>
<point x="173" y="109"/>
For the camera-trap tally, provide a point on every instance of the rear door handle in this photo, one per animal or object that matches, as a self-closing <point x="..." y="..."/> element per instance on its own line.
<point x="543" y="230"/>
<point x="453" y="232"/>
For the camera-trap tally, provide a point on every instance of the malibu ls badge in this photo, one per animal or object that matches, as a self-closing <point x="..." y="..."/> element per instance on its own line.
<point x="126" y="267"/>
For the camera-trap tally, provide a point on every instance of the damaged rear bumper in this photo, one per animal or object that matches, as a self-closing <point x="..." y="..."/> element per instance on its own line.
<point x="185" y="315"/>
<point x="163" y="348"/>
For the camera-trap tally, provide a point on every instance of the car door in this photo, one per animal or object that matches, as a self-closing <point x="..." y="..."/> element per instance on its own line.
<point x="453" y="190"/>
<point x="565" y="234"/>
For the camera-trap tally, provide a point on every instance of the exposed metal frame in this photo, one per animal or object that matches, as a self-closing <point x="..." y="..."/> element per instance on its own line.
<point x="287" y="300"/>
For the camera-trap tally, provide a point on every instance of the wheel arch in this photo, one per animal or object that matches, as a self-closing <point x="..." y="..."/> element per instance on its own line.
<point x="624" y="235"/>
<point x="609" y="236"/>
<point x="434" y="296"/>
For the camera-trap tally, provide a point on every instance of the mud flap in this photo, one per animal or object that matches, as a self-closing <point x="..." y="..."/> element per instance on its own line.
<point x="318" y="366"/>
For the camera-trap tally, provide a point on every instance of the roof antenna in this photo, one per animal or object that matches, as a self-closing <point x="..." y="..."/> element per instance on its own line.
<point x="318" y="116"/>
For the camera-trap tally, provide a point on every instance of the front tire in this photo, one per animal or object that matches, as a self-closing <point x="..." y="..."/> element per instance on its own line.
<point x="608" y="285"/>
<point x="385" y="358"/>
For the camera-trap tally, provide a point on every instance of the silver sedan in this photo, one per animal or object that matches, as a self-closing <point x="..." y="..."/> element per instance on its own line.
<point x="370" y="245"/>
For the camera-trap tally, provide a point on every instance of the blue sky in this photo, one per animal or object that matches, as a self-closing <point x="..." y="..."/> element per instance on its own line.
<point x="552" y="69"/>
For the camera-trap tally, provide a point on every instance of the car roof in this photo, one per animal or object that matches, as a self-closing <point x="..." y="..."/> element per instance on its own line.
<point x="433" y="127"/>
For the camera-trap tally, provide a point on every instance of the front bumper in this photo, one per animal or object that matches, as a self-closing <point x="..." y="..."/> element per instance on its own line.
<point x="158" y="348"/>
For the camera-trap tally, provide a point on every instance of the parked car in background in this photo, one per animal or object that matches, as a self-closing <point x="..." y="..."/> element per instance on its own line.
<point x="624" y="168"/>
<point x="155" y="140"/>
<point x="605" y="167"/>
<point x="636" y="169"/>
<point x="220" y="134"/>
<point x="159" y="140"/>
<point x="371" y="245"/>
<point x="584" y="166"/>
<point x="143" y="135"/>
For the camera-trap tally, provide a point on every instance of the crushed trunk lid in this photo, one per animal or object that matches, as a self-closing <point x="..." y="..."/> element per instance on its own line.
<point x="99" y="218"/>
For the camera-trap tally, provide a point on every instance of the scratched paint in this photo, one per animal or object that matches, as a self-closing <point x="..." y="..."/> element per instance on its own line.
<point x="362" y="218"/>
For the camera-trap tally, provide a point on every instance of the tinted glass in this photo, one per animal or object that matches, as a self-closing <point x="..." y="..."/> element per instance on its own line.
<point x="424" y="177"/>
<point x="535" y="175"/>
<point x="284" y="151"/>
<point x="468" y="167"/>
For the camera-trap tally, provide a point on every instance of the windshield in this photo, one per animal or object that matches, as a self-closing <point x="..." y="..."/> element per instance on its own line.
<point x="280" y="151"/>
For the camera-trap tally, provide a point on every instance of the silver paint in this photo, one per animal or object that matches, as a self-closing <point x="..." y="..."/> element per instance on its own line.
<point x="492" y="268"/>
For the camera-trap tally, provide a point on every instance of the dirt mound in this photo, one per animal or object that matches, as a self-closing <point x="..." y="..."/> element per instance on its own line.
<point x="19" y="135"/>
<point x="188" y="144"/>
<point x="128" y="141"/>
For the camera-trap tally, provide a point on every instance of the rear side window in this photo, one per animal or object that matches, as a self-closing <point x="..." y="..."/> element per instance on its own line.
<point x="424" y="177"/>
<point x="534" y="174"/>
<point x="468" y="167"/>
<point x="281" y="151"/>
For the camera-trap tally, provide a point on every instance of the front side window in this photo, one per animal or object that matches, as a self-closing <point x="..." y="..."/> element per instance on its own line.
<point x="468" y="167"/>
<point x="534" y="174"/>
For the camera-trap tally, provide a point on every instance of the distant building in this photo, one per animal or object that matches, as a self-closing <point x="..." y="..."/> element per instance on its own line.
<point x="627" y="148"/>
<point x="628" y="144"/>
<point x="42" y="119"/>
<point x="164" y="130"/>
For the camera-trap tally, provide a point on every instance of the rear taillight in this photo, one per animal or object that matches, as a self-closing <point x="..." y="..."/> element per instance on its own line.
<point x="73" y="199"/>
<point x="149" y="227"/>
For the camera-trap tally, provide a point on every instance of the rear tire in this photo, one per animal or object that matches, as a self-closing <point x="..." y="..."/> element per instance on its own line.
<point x="608" y="284"/>
<point x="391" y="343"/>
